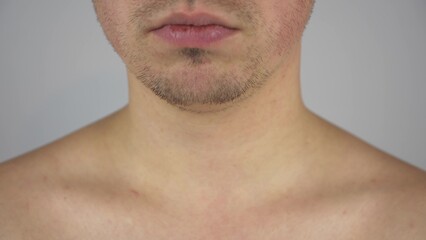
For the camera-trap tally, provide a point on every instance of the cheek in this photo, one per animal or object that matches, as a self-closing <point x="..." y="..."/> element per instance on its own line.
<point x="287" y="23"/>
<point x="112" y="16"/>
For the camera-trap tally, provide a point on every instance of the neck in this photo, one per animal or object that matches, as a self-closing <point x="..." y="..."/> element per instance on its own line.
<point x="240" y="144"/>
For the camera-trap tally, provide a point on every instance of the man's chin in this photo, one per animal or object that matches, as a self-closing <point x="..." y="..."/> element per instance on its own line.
<point x="198" y="88"/>
<point x="197" y="103"/>
<point x="207" y="102"/>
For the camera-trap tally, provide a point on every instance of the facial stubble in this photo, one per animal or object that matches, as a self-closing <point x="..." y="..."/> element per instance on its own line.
<point x="198" y="84"/>
<point x="198" y="76"/>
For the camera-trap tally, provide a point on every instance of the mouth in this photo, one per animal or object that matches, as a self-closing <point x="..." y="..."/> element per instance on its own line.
<point x="200" y="19"/>
<point x="199" y="30"/>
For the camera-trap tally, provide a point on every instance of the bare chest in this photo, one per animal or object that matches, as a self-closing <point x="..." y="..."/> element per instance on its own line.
<point x="80" y="216"/>
<point x="97" y="222"/>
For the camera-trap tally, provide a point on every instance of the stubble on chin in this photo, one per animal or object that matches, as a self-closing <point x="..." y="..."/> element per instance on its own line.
<point x="200" y="78"/>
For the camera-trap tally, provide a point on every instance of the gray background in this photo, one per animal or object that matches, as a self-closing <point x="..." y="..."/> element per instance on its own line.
<point x="363" y="69"/>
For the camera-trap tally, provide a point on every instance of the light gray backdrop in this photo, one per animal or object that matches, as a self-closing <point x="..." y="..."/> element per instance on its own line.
<point x="363" y="68"/>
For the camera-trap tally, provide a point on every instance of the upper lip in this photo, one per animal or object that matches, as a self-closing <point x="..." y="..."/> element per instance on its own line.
<point x="198" y="19"/>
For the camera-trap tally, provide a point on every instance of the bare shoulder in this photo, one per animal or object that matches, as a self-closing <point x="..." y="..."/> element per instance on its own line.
<point x="31" y="185"/>
<point x="405" y="200"/>
<point x="395" y="190"/>
<point x="399" y="201"/>
<point x="23" y="186"/>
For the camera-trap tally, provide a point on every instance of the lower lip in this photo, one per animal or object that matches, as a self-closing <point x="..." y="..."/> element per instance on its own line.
<point x="193" y="36"/>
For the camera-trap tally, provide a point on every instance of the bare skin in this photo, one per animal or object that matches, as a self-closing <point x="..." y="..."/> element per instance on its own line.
<point x="194" y="161"/>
